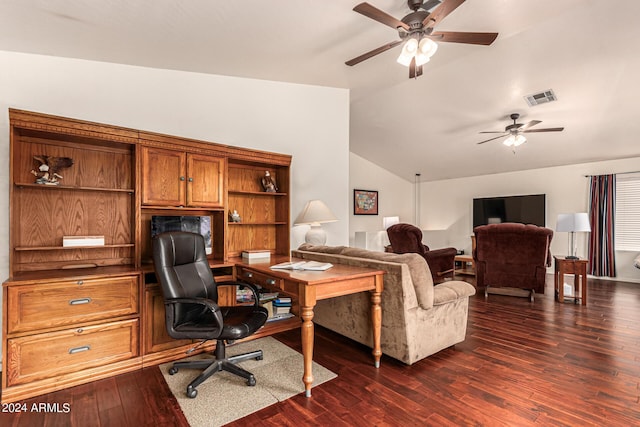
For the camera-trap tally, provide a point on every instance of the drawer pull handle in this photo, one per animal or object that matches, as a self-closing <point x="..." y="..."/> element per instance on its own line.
<point x="80" y="301"/>
<point x="270" y="282"/>
<point x="80" y="282"/>
<point x="248" y="274"/>
<point x="79" y="349"/>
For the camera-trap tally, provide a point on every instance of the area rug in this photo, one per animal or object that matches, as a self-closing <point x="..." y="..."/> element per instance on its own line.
<point x="225" y="397"/>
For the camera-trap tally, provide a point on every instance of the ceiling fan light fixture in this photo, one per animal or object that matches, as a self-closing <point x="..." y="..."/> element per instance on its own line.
<point x="422" y="51"/>
<point x="408" y="52"/>
<point x="427" y="47"/>
<point x="514" y="140"/>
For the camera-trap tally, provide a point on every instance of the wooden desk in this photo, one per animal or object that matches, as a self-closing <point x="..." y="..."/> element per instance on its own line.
<point x="577" y="267"/>
<point x="312" y="286"/>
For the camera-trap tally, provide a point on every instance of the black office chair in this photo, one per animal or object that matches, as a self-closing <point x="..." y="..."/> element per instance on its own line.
<point x="191" y="306"/>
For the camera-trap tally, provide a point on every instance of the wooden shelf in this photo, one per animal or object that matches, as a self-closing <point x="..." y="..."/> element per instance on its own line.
<point x="57" y="248"/>
<point x="259" y="223"/>
<point x="180" y="209"/>
<point x="69" y="187"/>
<point x="255" y="193"/>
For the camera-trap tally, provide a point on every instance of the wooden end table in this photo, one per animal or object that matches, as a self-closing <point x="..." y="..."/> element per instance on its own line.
<point x="465" y="268"/>
<point x="577" y="267"/>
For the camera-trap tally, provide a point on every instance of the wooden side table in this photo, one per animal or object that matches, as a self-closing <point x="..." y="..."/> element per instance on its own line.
<point x="577" y="267"/>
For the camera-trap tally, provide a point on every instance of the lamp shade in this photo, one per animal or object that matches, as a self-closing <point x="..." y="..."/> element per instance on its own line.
<point x="388" y="221"/>
<point x="573" y="222"/>
<point x="315" y="213"/>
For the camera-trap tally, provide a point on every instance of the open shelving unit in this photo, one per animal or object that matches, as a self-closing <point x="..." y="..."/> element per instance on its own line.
<point x="96" y="311"/>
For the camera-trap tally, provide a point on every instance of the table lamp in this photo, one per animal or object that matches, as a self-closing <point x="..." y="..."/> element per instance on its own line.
<point x="314" y="214"/>
<point x="572" y="223"/>
<point x="388" y="221"/>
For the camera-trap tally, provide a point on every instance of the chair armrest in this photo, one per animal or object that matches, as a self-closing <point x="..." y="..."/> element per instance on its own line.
<point x="254" y="289"/>
<point x="211" y="305"/>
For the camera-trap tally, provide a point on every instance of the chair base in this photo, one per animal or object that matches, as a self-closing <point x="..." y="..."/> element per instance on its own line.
<point x="514" y="292"/>
<point x="219" y="363"/>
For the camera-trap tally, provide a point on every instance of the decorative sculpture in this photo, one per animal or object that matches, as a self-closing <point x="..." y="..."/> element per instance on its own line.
<point x="268" y="183"/>
<point x="47" y="172"/>
<point x="234" y="216"/>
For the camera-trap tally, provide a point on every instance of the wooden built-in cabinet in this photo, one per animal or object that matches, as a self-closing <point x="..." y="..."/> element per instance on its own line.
<point x="76" y="314"/>
<point x="176" y="178"/>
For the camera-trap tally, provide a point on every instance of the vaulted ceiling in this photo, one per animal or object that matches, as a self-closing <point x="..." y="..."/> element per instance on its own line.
<point x="584" y="50"/>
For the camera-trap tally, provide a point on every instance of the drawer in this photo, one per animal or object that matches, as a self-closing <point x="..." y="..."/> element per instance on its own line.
<point x="60" y="304"/>
<point x="260" y="279"/>
<point x="41" y="356"/>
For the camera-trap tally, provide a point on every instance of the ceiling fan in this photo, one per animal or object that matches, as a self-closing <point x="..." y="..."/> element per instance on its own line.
<point x="417" y="31"/>
<point x="515" y="131"/>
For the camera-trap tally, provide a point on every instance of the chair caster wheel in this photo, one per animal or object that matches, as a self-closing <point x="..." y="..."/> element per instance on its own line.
<point x="259" y="357"/>
<point x="173" y="370"/>
<point x="251" y="381"/>
<point x="191" y="392"/>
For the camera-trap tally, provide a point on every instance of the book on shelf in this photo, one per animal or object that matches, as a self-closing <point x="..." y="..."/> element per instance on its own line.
<point x="256" y="254"/>
<point x="277" y="317"/>
<point x="282" y="300"/>
<point x="281" y="309"/>
<point x="78" y="241"/>
<point x="303" y="265"/>
<point x="268" y="296"/>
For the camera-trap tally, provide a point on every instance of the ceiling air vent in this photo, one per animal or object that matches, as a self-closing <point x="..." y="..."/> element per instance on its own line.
<point x="540" y="98"/>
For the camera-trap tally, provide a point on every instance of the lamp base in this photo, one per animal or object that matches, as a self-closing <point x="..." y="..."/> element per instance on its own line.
<point x="316" y="236"/>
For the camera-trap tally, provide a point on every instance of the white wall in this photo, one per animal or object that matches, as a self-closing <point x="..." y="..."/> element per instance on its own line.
<point x="395" y="195"/>
<point x="566" y="188"/>
<point x="309" y="122"/>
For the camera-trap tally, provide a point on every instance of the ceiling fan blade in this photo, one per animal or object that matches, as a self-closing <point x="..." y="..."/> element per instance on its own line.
<point x="530" y="124"/>
<point x="377" y="15"/>
<point x="372" y="53"/>
<point x="441" y="12"/>
<point x="491" y="139"/>
<point x="464" y="37"/>
<point x="492" y="131"/>
<point x="543" y="130"/>
<point x="430" y="4"/>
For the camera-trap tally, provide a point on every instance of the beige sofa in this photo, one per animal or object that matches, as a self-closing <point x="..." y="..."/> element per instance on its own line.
<point x="418" y="318"/>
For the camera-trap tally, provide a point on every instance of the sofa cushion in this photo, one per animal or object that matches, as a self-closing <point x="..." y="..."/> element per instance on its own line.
<point x="450" y="291"/>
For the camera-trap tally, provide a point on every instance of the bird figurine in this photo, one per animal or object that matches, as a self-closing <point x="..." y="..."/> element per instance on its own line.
<point x="268" y="183"/>
<point x="47" y="172"/>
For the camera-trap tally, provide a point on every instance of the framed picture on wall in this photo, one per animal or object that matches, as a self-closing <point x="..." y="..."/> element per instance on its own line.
<point x="365" y="202"/>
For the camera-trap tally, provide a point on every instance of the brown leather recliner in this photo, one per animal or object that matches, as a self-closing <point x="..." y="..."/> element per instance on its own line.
<point x="511" y="255"/>
<point x="407" y="238"/>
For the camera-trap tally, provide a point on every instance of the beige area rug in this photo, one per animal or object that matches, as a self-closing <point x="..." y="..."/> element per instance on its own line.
<point x="225" y="397"/>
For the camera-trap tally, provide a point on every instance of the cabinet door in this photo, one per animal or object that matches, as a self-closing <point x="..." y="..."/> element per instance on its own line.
<point x="205" y="181"/>
<point x="163" y="177"/>
<point x="156" y="336"/>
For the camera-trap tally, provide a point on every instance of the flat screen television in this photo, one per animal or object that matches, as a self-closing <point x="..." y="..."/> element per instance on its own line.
<point x="528" y="209"/>
<point x="192" y="223"/>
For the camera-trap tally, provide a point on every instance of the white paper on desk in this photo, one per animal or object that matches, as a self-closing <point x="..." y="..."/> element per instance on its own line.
<point x="303" y="265"/>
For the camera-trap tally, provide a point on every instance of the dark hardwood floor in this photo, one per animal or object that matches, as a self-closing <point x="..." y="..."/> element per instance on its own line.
<point x="541" y="363"/>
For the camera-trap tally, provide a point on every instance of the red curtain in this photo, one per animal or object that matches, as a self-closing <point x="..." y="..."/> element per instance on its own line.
<point x="602" y="203"/>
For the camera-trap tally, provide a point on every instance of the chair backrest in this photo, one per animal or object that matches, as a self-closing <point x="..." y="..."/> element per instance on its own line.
<point x="182" y="269"/>
<point x="406" y="238"/>
<point x="513" y="243"/>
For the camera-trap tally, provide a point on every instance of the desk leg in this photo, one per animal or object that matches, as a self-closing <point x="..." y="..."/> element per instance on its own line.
<point x="376" y="320"/>
<point x="307" y="348"/>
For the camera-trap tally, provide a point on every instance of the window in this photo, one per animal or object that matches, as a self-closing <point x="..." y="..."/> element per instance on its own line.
<point x="627" y="228"/>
